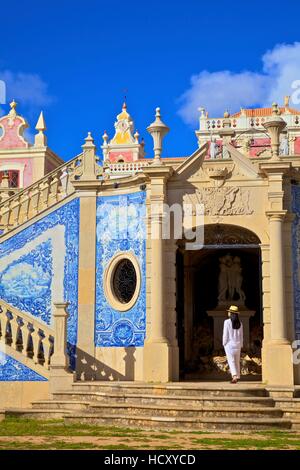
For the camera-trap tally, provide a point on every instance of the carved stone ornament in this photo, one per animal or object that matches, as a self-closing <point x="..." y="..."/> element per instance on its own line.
<point x="219" y="174"/>
<point x="219" y="234"/>
<point x="221" y="201"/>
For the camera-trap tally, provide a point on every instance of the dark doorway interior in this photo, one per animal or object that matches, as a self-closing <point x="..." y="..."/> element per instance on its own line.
<point x="197" y="293"/>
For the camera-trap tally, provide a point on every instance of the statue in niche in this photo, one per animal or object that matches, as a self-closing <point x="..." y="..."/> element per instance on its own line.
<point x="230" y="280"/>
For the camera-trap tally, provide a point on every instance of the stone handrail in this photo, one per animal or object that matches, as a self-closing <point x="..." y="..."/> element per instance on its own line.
<point x="26" y="335"/>
<point x="41" y="195"/>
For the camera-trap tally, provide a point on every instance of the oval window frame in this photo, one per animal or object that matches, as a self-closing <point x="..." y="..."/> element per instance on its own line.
<point x="109" y="277"/>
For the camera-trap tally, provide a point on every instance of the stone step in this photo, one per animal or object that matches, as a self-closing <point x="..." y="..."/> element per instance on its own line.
<point x="120" y="397"/>
<point x="60" y="405"/>
<point x="30" y="413"/>
<point x="191" y="389"/>
<point x="295" y="424"/>
<point x="287" y="403"/>
<point x="192" y="424"/>
<point x="291" y="412"/>
<point x="184" y="411"/>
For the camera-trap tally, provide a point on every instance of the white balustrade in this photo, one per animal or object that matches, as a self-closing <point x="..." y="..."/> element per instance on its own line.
<point x="25" y="334"/>
<point x="26" y="203"/>
<point x="127" y="167"/>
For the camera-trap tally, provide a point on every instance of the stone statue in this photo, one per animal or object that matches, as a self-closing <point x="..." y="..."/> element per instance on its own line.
<point x="225" y="152"/>
<point x="223" y="278"/>
<point x="284" y="146"/>
<point x="230" y="280"/>
<point x="214" y="148"/>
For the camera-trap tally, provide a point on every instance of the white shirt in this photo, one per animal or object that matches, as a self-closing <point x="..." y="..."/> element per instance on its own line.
<point x="231" y="336"/>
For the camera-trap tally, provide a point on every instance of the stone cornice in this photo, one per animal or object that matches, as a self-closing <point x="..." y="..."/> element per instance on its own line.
<point x="275" y="167"/>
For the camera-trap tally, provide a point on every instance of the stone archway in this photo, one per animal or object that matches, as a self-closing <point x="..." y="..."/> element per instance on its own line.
<point x="201" y="310"/>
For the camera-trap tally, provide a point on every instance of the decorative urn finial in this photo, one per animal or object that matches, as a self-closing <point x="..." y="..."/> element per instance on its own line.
<point x="275" y="125"/>
<point x="157" y="130"/>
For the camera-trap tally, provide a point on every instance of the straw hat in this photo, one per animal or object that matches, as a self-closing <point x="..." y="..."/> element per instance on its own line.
<point x="233" y="309"/>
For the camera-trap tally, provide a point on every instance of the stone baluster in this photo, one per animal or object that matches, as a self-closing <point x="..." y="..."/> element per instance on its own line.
<point x="7" y="328"/>
<point x="2" y="322"/>
<point x="5" y="216"/>
<point x="15" y="211"/>
<point x="45" y="190"/>
<point x="26" y="335"/>
<point x="36" y="340"/>
<point x="54" y="185"/>
<point x="24" y="202"/>
<point x="14" y="331"/>
<point x="34" y="201"/>
<point x="46" y="349"/>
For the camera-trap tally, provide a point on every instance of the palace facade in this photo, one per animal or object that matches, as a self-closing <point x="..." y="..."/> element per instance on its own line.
<point x="87" y="292"/>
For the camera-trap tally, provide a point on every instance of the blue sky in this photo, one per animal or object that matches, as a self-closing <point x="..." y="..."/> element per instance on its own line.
<point x="74" y="59"/>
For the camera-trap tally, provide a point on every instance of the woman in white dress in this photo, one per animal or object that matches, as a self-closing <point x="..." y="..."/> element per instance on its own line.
<point x="233" y="341"/>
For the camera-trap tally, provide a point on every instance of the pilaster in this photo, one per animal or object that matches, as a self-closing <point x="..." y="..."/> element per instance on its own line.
<point x="157" y="349"/>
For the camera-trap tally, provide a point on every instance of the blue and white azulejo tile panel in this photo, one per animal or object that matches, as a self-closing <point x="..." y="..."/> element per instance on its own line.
<point x="13" y="371"/>
<point x="39" y="266"/>
<point x="120" y="228"/>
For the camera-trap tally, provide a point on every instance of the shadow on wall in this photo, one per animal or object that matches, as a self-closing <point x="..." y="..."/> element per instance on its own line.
<point x="89" y="368"/>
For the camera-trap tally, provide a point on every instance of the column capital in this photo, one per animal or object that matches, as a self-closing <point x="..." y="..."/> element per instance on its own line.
<point x="276" y="215"/>
<point x="158" y="171"/>
<point x="275" y="167"/>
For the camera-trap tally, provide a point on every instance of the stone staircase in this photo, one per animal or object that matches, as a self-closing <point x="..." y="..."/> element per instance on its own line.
<point x="25" y="204"/>
<point x="188" y="406"/>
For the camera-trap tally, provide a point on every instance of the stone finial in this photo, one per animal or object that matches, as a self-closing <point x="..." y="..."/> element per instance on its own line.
<point x="286" y="101"/>
<point x="275" y="125"/>
<point x="105" y="146"/>
<point x="89" y="159"/>
<point x="275" y="109"/>
<point x="13" y="113"/>
<point x="105" y="138"/>
<point x="157" y="130"/>
<point x="5" y="180"/>
<point x="40" y="140"/>
<point x="226" y="120"/>
<point x="136" y="137"/>
<point x="202" y="112"/>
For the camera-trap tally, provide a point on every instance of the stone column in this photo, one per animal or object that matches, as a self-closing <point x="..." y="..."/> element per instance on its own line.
<point x="61" y="377"/>
<point x="278" y="325"/>
<point x="157" y="351"/>
<point x="278" y="351"/>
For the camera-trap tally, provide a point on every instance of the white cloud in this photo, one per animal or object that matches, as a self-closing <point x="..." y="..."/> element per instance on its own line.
<point x="218" y="91"/>
<point x="26" y="88"/>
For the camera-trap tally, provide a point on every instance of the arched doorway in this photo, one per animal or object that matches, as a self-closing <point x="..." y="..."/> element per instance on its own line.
<point x="227" y="270"/>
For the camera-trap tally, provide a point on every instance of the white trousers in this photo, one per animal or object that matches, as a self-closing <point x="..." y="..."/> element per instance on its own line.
<point x="233" y="355"/>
